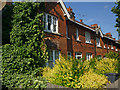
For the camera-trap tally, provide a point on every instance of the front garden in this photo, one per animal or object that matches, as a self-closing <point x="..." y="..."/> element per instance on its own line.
<point x="74" y="73"/>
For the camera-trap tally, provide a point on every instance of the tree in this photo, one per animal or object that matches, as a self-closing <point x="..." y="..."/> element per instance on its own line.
<point x="26" y="53"/>
<point x="116" y="10"/>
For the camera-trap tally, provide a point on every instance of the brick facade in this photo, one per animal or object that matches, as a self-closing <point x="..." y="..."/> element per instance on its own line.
<point x="69" y="43"/>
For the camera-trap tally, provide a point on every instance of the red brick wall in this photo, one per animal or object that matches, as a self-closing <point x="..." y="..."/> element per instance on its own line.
<point x="81" y="46"/>
<point x="61" y="41"/>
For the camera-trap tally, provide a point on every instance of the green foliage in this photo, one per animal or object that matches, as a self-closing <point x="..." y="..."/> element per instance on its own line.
<point x="116" y="10"/>
<point x="24" y="81"/>
<point x="112" y="55"/>
<point x="74" y="73"/>
<point x="106" y="66"/>
<point x="26" y="52"/>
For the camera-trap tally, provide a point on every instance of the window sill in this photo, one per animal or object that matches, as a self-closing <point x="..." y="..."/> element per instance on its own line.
<point x="89" y="43"/>
<point x="52" y="32"/>
<point x="116" y="50"/>
<point x="78" y="40"/>
<point x="99" y="47"/>
<point x="68" y="38"/>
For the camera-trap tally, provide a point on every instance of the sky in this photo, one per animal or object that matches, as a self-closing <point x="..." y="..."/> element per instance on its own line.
<point x="96" y="13"/>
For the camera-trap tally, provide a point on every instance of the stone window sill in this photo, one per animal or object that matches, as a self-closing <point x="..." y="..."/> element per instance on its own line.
<point x="89" y="43"/>
<point x="52" y="32"/>
<point x="78" y="40"/>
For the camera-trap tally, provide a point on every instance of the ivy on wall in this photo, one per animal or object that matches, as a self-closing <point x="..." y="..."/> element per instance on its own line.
<point x="26" y="53"/>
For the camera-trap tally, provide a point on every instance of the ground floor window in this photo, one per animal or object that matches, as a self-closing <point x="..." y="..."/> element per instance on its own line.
<point x="99" y="57"/>
<point x="52" y="56"/>
<point x="69" y="54"/>
<point x="78" y="55"/>
<point x="88" y="56"/>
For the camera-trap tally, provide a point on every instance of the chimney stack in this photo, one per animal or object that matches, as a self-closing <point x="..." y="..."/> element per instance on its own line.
<point x="72" y="14"/>
<point x="94" y="26"/>
<point x="108" y="35"/>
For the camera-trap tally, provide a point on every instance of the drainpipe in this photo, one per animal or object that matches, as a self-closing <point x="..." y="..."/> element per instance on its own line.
<point x="95" y="45"/>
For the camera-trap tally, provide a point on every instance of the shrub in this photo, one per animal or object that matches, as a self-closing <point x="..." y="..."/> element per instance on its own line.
<point x="106" y="66"/>
<point x="112" y="55"/>
<point x="70" y="72"/>
<point x="92" y="80"/>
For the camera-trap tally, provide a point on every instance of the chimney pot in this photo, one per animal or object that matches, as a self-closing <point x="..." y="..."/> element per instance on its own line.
<point x="81" y="20"/>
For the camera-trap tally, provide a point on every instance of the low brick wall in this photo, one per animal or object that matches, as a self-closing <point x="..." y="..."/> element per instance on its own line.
<point x="49" y="85"/>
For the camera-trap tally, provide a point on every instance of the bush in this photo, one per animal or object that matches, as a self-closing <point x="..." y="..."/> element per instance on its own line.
<point x="24" y="81"/>
<point x="112" y="55"/>
<point x="71" y="73"/>
<point x="92" y="80"/>
<point x="106" y="66"/>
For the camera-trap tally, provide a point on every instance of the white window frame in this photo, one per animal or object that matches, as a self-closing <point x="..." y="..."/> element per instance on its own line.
<point x="116" y="49"/>
<point x="98" y="42"/>
<point x="112" y="45"/>
<point x="77" y="34"/>
<point x="89" y="56"/>
<point x="54" y="57"/>
<point x="104" y="44"/>
<point x="87" y="37"/>
<point x="69" y="54"/>
<point x="45" y="19"/>
<point x="78" y="54"/>
<point x="108" y="45"/>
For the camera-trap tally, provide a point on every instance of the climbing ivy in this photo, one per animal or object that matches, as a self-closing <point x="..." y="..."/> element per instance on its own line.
<point x="26" y="52"/>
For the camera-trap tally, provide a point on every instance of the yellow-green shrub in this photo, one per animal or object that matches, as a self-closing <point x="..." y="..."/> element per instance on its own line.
<point x="92" y="80"/>
<point x="106" y="66"/>
<point x="65" y="72"/>
<point x="71" y="73"/>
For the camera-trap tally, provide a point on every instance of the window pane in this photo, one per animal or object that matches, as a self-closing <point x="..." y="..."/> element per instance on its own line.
<point x="77" y="34"/>
<point x="88" y="56"/>
<point x="54" y="24"/>
<point x="50" y="64"/>
<point x="54" y="28"/>
<point x="50" y="55"/>
<point x="49" y="22"/>
<point x="87" y="37"/>
<point x="56" y="55"/>
<point x="78" y="55"/>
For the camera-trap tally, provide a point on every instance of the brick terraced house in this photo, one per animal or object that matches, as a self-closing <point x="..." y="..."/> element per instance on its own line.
<point x="65" y="35"/>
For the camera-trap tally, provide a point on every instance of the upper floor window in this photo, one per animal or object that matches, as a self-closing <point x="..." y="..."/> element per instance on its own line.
<point x="78" y="55"/>
<point x="87" y="37"/>
<point x="98" y="42"/>
<point x="50" y="23"/>
<point x="108" y="45"/>
<point x="112" y="45"/>
<point x="77" y="34"/>
<point x="104" y="44"/>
